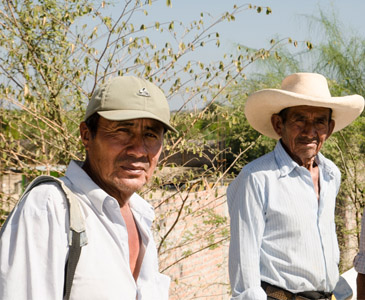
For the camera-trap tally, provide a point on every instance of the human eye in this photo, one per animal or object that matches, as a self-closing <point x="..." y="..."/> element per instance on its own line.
<point x="299" y="119"/>
<point x="122" y="129"/>
<point x="120" y="132"/>
<point x="151" y="135"/>
<point x="322" y="121"/>
<point x="155" y="132"/>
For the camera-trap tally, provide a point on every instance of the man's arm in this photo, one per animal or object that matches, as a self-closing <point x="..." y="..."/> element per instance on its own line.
<point x="33" y="247"/>
<point x="247" y="227"/>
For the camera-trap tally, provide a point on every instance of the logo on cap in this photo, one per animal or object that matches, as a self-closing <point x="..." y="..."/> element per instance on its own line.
<point x="143" y="92"/>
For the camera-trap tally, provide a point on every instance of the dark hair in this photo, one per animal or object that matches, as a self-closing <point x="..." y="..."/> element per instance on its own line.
<point x="284" y="113"/>
<point x="92" y="123"/>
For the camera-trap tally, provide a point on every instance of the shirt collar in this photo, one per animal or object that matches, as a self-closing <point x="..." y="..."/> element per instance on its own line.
<point x="323" y="162"/>
<point x="287" y="164"/>
<point x="83" y="183"/>
<point x="142" y="208"/>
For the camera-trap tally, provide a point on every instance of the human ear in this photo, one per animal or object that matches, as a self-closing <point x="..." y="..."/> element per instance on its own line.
<point x="277" y="123"/>
<point x="85" y="134"/>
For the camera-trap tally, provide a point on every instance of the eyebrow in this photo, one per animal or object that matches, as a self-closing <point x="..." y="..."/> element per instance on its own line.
<point x="124" y="123"/>
<point x="322" y="116"/>
<point x="155" y="126"/>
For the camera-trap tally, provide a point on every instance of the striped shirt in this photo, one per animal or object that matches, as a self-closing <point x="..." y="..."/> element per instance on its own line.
<point x="359" y="262"/>
<point x="280" y="232"/>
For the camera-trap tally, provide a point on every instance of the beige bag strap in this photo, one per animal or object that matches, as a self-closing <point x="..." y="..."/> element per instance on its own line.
<point x="77" y="234"/>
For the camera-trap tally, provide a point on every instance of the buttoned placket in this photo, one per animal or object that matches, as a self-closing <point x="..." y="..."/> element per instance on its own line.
<point x="318" y="204"/>
<point x="320" y="207"/>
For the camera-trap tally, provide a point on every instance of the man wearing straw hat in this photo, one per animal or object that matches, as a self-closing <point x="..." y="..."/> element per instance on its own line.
<point x="282" y="205"/>
<point x="122" y="133"/>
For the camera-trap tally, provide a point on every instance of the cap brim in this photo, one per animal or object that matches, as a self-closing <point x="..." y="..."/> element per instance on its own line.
<point x="124" y="115"/>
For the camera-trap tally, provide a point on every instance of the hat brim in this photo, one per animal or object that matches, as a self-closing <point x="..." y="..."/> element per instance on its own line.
<point x="124" y="115"/>
<point x="261" y="105"/>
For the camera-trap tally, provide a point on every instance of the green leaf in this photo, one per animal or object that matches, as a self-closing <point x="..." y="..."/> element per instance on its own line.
<point x="309" y="45"/>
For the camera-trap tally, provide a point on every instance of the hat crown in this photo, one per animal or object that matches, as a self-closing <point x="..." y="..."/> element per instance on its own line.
<point x="309" y="84"/>
<point x="128" y="97"/>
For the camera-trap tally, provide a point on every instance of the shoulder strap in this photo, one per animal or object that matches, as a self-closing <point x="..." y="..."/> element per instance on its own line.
<point x="77" y="222"/>
<point x="77" y="233"/>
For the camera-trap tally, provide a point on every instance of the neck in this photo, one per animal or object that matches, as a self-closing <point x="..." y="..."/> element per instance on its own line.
<point x="308" y="163"/>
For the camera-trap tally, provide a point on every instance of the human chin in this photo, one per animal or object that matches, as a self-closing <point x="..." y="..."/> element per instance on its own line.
<point x="132" y="184"/>
<point x="307" y="152"/>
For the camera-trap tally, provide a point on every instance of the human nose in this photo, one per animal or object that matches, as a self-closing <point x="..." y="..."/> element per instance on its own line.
<point x="309" y="129"/>
<point x="137" y="147"/>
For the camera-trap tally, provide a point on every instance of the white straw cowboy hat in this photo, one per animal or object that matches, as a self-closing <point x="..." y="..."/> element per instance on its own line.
<point x="300" y="89"/>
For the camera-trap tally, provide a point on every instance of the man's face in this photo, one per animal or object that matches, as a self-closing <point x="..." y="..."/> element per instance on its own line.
<point x="122" y="156"/>
<point x="304" y="131"/>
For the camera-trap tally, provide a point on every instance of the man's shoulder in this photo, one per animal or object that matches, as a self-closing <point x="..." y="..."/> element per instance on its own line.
<point x="257" y="170"/>
<point x="40" y="196"/>
<point x="39" y="203"/>
<point x="263" y="163"/>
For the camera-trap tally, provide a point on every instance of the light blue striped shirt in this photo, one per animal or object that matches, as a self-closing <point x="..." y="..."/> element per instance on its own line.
<point x="280" y="233"/>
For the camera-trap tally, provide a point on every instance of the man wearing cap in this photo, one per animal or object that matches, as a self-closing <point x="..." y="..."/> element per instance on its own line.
<point x="282" y="205"/>
<point x="123" y="135"/>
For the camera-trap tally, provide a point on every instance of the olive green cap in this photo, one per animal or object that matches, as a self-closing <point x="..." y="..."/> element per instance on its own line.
<point x="128" y="97"/>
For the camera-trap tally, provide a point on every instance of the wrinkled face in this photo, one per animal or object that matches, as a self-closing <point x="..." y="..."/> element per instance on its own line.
<point x="304" y="130"/>
<point x="122" y="156"/>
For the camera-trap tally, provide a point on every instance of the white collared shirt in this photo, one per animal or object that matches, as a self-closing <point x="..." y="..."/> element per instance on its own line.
<point x="33" y="247"/>
<point x="280" y="232"/>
